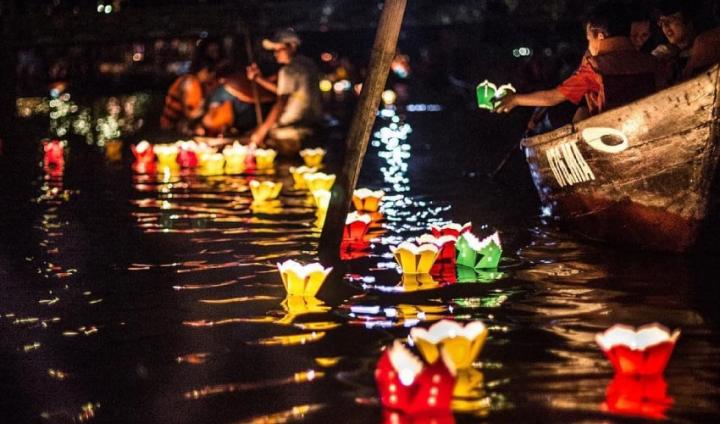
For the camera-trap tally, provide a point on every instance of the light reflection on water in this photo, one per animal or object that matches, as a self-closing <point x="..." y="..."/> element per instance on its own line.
<point x="170" y="292"/>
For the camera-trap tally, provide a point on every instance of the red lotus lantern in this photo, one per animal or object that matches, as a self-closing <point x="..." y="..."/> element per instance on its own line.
<point x="639" y="396"/>
<point x="444" y="271"/>
<point x="143" y="152"/>
<point x="54" y="155"/>
<point x="356" y="226"/>
<point x="408" y="385"/>
<point x="187" y="154"/>
<point x="645" y="351"/>
<point x="450" y="229"/>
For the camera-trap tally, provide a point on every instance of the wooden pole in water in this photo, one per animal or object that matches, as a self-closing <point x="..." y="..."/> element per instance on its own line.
<point x="356" y="142"/>
<point x="253" y="84"/>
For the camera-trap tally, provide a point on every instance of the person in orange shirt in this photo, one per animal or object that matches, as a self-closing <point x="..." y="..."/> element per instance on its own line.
<point x="185" y="100"/>
<point x="611" y="74"/>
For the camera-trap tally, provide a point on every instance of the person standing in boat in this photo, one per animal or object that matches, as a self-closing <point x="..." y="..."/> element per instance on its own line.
<point x="690" y="49"/>
<point x="297" y="108"/>
<point x="612" y="72"/>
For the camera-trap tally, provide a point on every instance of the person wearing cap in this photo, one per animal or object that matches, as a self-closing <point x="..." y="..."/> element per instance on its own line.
<point x="297" y="108"/>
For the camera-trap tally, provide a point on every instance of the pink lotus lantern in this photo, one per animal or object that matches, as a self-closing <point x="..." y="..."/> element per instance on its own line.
<point x="356" y="226"/>
<point x="645" y="351"/>
<point x="638" y="396"/>
<point x="187" y="154"/>
<point x="450" y="229"/>
<point x="446" y="244"/>
<point x="408" y="385"/>
<point x="54" y="155"/>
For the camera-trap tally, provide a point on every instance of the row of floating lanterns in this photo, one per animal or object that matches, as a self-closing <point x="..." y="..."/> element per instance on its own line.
<point x="441" y="376"/>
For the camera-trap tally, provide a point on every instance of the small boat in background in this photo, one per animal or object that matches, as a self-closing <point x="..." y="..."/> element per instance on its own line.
<point x="641" y="174"/>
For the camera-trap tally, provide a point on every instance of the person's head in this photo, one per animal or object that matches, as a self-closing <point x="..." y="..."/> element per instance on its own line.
<point x="675" y="19"/>
<point x="203" y="71"/>
<point x="609" y="19"/>
<point x="640" y="29"/>
<point x="284" y="45"/>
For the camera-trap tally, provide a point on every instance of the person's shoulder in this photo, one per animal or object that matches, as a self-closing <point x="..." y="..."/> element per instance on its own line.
<point x="709" y="37"/>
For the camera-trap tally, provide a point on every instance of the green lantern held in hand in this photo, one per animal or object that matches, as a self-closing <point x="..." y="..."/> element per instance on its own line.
<point x="488" y="94"/>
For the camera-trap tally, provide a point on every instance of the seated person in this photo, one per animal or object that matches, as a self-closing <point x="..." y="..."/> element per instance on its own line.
<point x="611" y="74"/>
<point x="690" y="50"/>
<point x="297" y="108"/>
<point x="231" y="107"/>
<point x="640" y="29"/>
<point x="185" y="100"/>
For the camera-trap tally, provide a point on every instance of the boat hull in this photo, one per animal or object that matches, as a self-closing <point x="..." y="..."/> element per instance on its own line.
<point x="641" y="174"/>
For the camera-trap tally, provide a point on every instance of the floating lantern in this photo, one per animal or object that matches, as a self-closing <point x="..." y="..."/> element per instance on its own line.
<point x="298" y="175"/>
<point x="446" y="244"/>
<point x="414" y="259"/>
<point x="406" y="384"/>
<point x="388" y="97"/>
<point x="187" y="154"/>
<point x="53" y="154"/>
<point x="266" y="190"/>
<point x="356" y="227"/>
<point x="322" y="199"/>
<point x="143" y="152"/>
<point x="113" y="150"/>
<point x="488" y="94"/>
<point x="639" y="396"/>
<point x="450" y="229"/>
<point x="468" y="384"/>
<point x="265" y="158"/>
<point x="212" y="163"/>
<point x="458" y="345"/>
<point x="366" y="200"/>
<point x="235" y="157"/>
<point x="167" y="155"/>
<point x="319" y="181"/>
<point x="444" y="271"/>
<point x="302" y="280"/>
<point x="478" y="254"/>
<point x="312" y="157"/>
<point x="645" y="351"/>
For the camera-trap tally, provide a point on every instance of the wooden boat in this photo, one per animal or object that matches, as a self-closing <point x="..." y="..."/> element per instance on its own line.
<point x="641" y="174"/>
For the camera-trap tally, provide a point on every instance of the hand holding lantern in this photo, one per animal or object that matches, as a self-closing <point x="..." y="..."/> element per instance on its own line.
<point x="488" y="94"/>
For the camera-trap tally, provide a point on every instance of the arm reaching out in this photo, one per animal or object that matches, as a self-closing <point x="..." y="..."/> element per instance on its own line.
<point x="537" y="98"/>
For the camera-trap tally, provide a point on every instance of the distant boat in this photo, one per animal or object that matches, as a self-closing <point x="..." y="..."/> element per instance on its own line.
<point x="641" y="174"/>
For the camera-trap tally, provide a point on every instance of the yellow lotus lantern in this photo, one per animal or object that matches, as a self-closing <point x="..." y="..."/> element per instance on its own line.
<point x="298" y="175"/>
<point x="266" y="190"/>
<point x="166" y="155"/>
<point x="203" y="152"/>
<point x="235" y="156"/>
<point x="366" y="200"/>
<point x="322" y="199"/>
<point x="455" y="343"/>
<point x="319" y="181"/>
<point x="414" y="259"/>
<point x="312" y="157"/>
<point x="265" y="158"/>
<point x="302" y="280"/>
<point x="212" y="164"/>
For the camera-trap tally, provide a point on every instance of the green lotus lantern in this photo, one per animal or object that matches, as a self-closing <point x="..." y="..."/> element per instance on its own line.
<point x="488" y="94"/>
<point x="478" y="254"/>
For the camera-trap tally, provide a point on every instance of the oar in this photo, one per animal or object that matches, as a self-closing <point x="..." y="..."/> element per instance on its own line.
<point x="536" y="117"/>
<point x="253" y="84"/>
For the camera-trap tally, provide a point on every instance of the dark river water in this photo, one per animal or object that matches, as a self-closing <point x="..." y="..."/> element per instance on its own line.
<point x="156" y="299"/>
